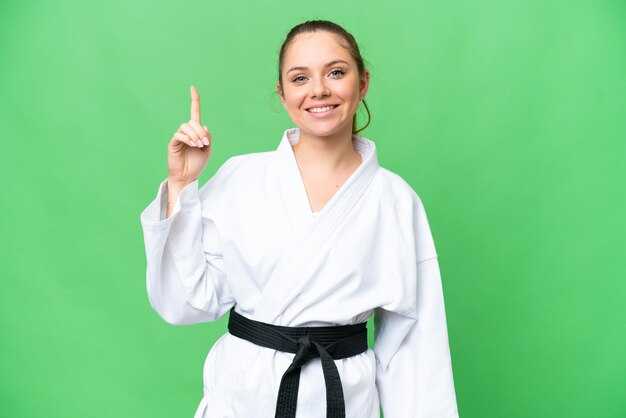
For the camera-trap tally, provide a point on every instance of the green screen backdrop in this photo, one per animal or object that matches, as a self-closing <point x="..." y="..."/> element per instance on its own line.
<point x="507" y="118"/>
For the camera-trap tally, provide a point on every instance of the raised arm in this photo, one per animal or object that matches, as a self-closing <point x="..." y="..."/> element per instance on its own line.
<point x="188" y="152"/>
<point x="185" y="276"/>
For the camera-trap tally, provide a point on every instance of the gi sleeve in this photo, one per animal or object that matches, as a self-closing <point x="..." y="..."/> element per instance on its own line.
<point x="185" y="275"/>
<point x="414" y="370"/>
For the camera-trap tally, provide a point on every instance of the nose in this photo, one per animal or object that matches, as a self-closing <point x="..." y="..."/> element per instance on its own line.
<point x="319" y="88"/>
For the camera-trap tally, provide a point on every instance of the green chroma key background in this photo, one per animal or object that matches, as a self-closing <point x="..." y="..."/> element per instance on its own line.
<point x="507" y="118"/>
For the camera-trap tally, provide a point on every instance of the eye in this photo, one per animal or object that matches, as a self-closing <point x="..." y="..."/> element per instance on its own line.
<point x="299" y="79"/>
<point x="337" y="73"/>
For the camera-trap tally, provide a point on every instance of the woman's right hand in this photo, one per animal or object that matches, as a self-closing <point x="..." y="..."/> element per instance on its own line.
<point x="190" y="148"/>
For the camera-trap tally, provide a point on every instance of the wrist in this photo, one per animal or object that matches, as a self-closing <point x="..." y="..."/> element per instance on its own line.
<point x="175" y="185"/>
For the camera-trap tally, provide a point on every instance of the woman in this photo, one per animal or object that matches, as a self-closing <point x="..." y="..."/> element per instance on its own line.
<point x="303" y="245"/>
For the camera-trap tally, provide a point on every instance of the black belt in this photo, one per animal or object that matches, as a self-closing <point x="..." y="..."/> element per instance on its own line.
<point x="327" y="343"/>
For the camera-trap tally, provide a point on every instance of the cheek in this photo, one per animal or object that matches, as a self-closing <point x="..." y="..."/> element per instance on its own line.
<point x="293" y="98"/>
<point x="349" y="92"/>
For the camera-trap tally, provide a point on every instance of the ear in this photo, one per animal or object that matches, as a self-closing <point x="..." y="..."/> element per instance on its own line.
<point x="364" y="84"/>
<point x="279" y="90"/>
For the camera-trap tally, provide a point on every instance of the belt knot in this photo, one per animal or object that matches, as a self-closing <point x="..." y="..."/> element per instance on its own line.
<point x="304" y="353"/>
<point x="304" y="342"/>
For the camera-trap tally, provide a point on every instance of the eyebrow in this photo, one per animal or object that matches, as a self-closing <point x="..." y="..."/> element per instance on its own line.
<point x="327" y="65"/>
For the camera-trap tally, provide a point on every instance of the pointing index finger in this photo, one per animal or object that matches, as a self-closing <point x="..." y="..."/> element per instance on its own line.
<point x="195" y="104"/>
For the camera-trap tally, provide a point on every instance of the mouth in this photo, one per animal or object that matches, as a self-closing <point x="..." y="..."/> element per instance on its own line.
<point x="321" y="109"/>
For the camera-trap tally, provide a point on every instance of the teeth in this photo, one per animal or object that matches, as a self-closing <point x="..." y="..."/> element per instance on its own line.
<point x="321" y="109"/>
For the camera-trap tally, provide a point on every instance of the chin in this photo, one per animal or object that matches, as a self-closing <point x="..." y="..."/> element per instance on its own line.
<point x="318" y="133"/>
<point x="322" y="131"/>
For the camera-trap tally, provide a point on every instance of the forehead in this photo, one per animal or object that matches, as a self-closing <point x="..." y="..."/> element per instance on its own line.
<point x="316" y="48"/>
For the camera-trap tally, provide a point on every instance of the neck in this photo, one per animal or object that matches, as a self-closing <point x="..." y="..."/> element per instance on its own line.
<point x="328" y="153"/>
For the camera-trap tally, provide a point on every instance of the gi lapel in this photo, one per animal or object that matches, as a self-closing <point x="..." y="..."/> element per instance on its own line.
<point x="289" y="275"/>
<point x="292" y="190"/>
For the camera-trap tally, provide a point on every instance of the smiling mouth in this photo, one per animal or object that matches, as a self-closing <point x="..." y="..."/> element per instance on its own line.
<point x="321" y="109"/>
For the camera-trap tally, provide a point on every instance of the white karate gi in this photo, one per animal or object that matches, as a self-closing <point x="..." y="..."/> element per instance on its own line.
<point x="248" y="236"/>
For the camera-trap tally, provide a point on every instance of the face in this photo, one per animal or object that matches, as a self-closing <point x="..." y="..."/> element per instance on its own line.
<point x="321" y="84"/>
